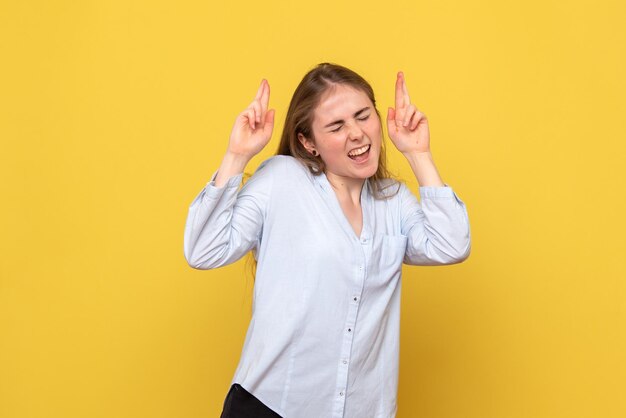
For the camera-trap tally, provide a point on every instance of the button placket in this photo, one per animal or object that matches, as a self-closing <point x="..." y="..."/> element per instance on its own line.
<point x="346" y="349"/>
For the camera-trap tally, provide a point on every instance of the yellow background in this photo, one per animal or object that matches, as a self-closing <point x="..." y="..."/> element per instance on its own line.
<point x="114" y="114"/>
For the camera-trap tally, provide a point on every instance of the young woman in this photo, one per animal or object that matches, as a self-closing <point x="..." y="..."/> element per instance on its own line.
<point x="329" y="229"/>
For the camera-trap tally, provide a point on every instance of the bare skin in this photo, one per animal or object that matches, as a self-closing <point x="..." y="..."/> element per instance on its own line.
<point x="353" y="212"/>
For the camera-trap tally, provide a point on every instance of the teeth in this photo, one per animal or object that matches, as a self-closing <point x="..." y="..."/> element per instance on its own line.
<point x="359" y="151"/>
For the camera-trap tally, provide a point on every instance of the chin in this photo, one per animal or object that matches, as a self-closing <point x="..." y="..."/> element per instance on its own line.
<point x="369" y="171"/>
<point x="372" y="172"/>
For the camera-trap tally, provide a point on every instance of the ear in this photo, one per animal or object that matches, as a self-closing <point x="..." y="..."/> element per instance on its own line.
<point x="306" y="143"/>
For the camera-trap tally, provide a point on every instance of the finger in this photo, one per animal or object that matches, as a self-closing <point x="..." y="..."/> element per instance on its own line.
<point x="269" y="121"/>
<point x="256" y="106"/>
<point x="259" y="92"/>
<point x="265" y="99"/>
<point x="399" y="117"/>
<point x="265" y="95"/>
<point x="257" y="112"/>
<point x="405" y="91"/>
<point x="416" y="119"/>
<point x="410" y="111"/>
<point x="399" y="92"/>
<point x="249" y="113"/>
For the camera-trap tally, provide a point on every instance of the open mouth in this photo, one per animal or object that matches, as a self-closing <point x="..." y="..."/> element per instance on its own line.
<point x="360" y="154"/>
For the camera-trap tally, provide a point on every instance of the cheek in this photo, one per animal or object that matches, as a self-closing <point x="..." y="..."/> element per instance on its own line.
<point x="374" y="127"/>
<point x="333" y="149"/>
<point x="376" y="133"/>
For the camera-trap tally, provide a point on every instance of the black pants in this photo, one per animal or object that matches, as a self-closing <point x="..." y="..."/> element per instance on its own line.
<point x="240" y="403"/>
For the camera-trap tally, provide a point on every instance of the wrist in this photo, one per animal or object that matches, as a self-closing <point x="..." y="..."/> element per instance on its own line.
<point x="232" y="164"/>
<point x="235" y="160"/>
<point x="418" y="156"/>
<point x="423" y="167"/>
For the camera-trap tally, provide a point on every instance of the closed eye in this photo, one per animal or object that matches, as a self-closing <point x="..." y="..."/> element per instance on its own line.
<point x="363" y="119"/>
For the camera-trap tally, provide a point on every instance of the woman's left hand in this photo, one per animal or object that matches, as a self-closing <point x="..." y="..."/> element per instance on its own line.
<point x="407" y="126"/>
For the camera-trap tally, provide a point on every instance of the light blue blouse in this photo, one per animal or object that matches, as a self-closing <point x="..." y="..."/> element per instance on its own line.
<point x="323" y="340"/>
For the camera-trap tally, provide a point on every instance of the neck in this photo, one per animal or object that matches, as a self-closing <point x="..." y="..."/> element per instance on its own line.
<point x="346" y="187"/>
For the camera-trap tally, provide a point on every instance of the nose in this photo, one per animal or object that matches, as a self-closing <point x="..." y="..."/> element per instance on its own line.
<point x="355" y="131"/>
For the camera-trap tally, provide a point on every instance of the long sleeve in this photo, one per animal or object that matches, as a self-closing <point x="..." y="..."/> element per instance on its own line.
<point x="223" y="224"/>
<point x="438" y="229"/>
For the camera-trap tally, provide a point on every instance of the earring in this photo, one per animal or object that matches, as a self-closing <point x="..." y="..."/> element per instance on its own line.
<point x="315" y="153"/>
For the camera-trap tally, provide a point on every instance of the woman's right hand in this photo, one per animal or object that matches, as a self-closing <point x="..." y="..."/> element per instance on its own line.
<point x="253" y="127"/>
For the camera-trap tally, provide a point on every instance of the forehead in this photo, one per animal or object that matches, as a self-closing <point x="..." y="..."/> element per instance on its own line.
<point x="340" y="101"/>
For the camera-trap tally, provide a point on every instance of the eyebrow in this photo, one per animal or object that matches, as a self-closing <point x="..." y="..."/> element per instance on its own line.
<point x="342" y="121"/>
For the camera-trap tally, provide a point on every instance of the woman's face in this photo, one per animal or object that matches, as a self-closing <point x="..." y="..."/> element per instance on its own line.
<point x="347" y="133"/>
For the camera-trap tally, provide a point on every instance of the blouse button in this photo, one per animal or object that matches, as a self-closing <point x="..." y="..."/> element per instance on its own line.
<point x="341" y="393"/>
<point x="355" y="298"/>
<point x="345" y="362"/>
<point x="349" y="329"/>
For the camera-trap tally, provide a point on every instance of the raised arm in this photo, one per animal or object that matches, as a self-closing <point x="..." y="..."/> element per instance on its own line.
<point x="438" y="229"/>
<point x="223" y="223"/>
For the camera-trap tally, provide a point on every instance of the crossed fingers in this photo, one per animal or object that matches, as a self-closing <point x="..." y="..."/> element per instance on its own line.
<point x="402" y="93"/>
<point x="404" y="108"/>
<point x="258" y="108"/>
